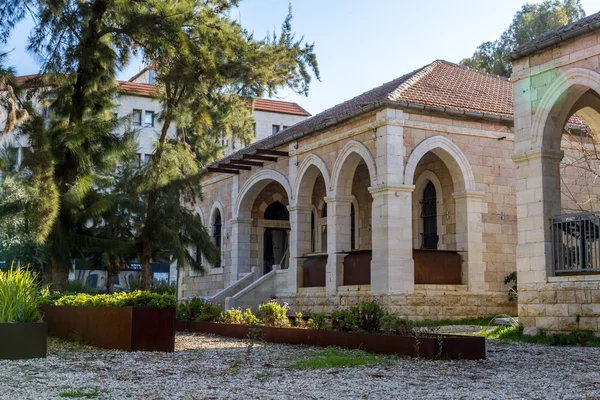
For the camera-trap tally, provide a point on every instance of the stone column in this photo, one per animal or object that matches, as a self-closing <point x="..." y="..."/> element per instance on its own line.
<point x="299" y="244"/>
<point x="392" y="265"/>
<point x="538" y="200"/>
<point x="469" y="238"/>
<point x="338" y="239"/>
<point x="241" y="229"/>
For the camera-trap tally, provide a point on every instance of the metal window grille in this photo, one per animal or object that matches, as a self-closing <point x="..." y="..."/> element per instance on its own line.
<point x="429" y="215"/>
<point x="576" y="243"/>
<point x="217" y="236"/>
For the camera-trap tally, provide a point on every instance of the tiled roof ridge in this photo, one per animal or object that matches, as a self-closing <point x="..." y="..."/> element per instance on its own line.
<point x="416" y="76"/>
<point x="464" y="67"/>
<point x="297" y="108"/>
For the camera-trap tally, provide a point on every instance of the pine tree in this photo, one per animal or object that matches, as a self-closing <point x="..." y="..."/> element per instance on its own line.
<point x="207" y="66"/>
<point x="205" y="81"/>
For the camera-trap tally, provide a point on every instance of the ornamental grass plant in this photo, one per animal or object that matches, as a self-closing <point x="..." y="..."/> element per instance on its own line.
<point x="18" y="296"/>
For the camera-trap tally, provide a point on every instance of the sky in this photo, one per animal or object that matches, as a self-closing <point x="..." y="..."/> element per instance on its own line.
<point x="359" y="44"/>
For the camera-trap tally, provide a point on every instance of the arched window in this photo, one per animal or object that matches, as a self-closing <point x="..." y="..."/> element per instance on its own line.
<point x="324" y="211"/>
<point x="217" y="234"/>
<point x="277" y="211"/>
<point x="429" y="216"/>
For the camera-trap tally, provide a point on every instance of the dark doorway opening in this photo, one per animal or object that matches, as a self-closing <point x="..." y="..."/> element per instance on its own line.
<point x="275" y="248"/>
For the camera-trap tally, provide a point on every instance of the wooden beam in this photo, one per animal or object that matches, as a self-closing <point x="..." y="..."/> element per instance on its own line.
<point x="223" y="170"/>
<point x="257" y="157"/>
<point x="276" y="153"/>
<point x="246" y="162"/>
<point x="238" y="167"/>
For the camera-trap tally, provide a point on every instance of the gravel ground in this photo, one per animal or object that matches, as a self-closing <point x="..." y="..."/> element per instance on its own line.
<point x="204" y="367"/>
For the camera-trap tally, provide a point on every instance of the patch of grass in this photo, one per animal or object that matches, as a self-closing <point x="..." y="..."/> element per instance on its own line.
<point x="56" y="346"/>
<point x="515" y="334"/>
<point x="80" y="394"/>
<point x="333" y="357"/>
<point x="266" y="374"/>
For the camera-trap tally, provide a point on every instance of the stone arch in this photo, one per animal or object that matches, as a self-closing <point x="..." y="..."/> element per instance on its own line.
<point x="343" y="170"/>
<point x="450" y="154"/>
<point x="254" y="186"/>
<point x="556" y="106"/>
<point x="198" y="210"/>
<point x="308" y="172"/>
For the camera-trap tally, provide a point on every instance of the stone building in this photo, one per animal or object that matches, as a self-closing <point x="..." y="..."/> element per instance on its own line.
<point x="405" y="193"/>
<point x="558" y="252"/>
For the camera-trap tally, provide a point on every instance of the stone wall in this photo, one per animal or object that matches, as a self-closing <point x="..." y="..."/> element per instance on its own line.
<point x="562" y="304"/>
<point x="433" y="302"/>
<point x="489" y="148"/>
<point x="548" y="87"/>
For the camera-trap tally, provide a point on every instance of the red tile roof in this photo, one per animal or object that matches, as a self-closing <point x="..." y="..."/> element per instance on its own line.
<point x="137" y="89"/>
<point x="148" y="90"/>
<point x="440" y="87"/>
<point x="442" y="84"/>
<point x="282" y="107"/>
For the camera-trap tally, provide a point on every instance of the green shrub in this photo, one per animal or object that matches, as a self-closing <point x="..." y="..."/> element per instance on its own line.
<point x="198" y="309"/>
<point x="232" y="316"/>
<point x="250" y="318"/>
<point x="574" y="338"/>
<point x="366" y="316"/>
<point x="398" y="326"/>
<point x="162" y="287"/>
<point x="18" y="296"/>
<point x="343" y="320"/>
<point x="120" y="299"/>
<point x="299" y="320"/>
<point x="317" y="321"/>
<point x="274" y="314"/>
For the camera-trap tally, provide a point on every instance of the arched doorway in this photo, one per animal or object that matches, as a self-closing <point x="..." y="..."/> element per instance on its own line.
<point x="275" y="240"/>
<point x="258" y="192"/>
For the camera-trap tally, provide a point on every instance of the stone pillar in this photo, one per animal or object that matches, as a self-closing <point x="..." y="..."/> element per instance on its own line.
<point x="392" y="265"/>
<point x="538" y="200"/>
<point x="469" y="238"/>
<point x="390" y="148"/>
<point x="338" y="239"/>
<point x="299" y="244"/>
<point x="241" y="229"/>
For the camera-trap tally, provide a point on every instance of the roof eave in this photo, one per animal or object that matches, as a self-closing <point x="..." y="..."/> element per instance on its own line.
<point x="374" y="106"/>
<point x="526" y="50"/>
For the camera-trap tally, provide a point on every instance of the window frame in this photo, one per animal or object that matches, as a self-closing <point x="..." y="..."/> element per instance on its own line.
<point x="146" y="113"/>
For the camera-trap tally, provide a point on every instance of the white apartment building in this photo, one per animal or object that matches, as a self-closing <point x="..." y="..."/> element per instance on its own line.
<point x="137" y="101"/>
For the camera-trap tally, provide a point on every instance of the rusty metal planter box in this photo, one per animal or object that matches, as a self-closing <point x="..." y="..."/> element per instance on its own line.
<point x="20" y="341"/>
<point x="119" y="328"/>
<point x="445" y="347"/>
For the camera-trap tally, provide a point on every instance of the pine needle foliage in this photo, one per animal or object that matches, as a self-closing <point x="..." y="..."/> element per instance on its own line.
<point x="208" y="70"/>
